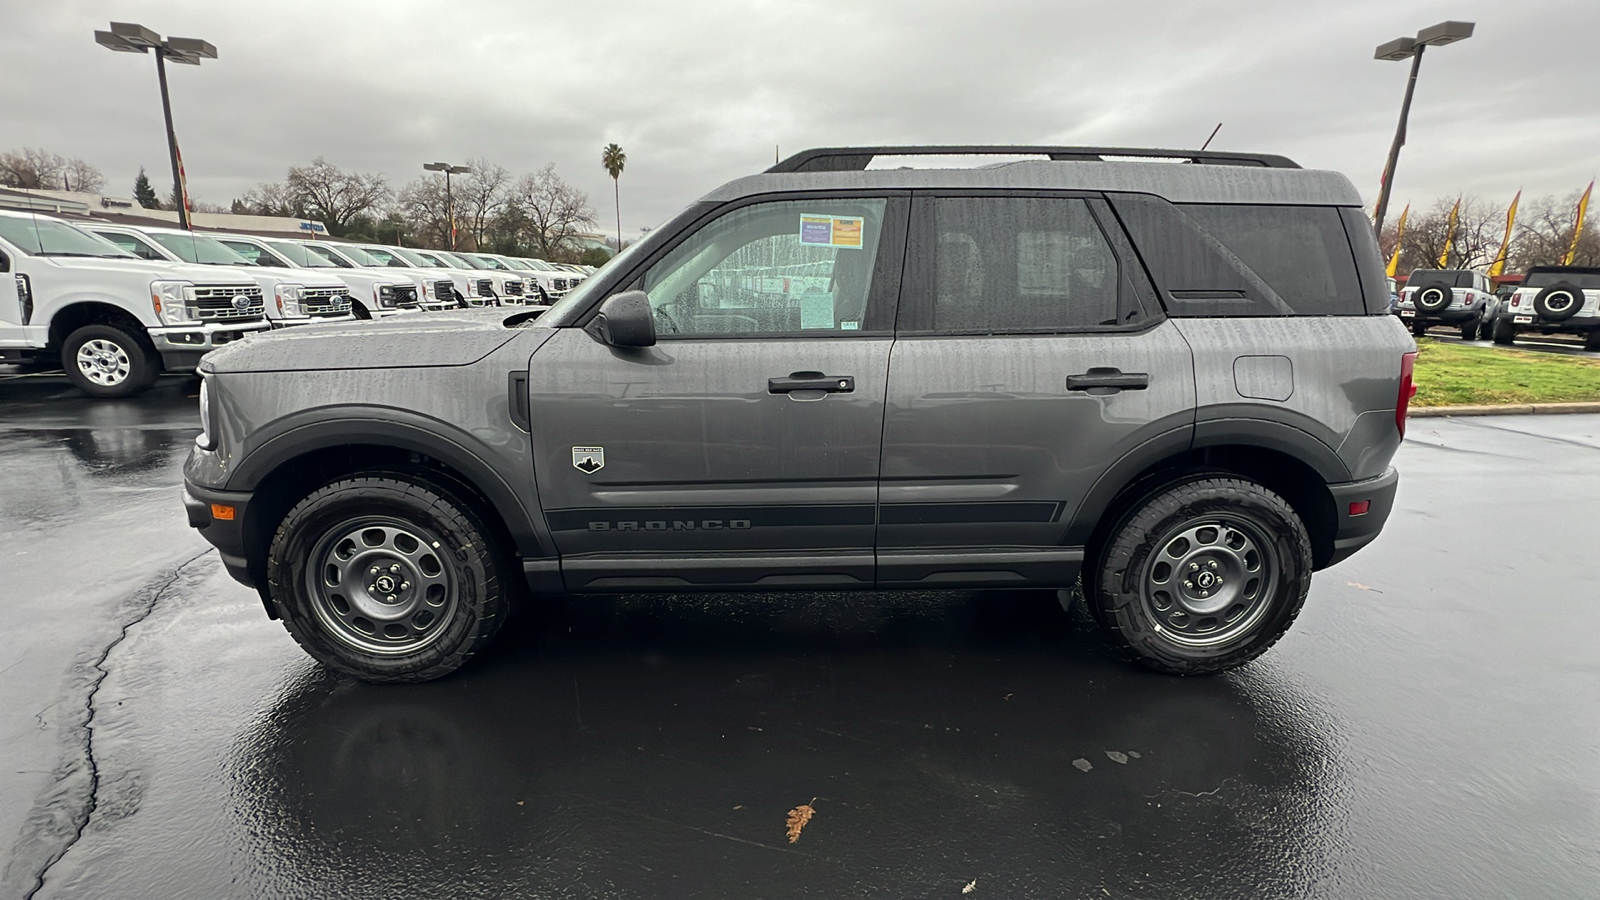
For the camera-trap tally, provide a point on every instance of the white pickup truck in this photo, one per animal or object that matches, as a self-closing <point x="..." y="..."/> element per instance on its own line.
<point x="374" y="294"/>
<point x="504" y="285"/>
<point x="440" y="290"/>
<point x="293" y="296"/>
<point x="115" y="321"/>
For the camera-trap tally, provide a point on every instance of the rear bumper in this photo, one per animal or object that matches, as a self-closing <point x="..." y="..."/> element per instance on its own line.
<point x="208" y="511"/>
<point x="1444" y="317"/>
<point x="1574" y="325"/>
<point x="1356" y="530"/>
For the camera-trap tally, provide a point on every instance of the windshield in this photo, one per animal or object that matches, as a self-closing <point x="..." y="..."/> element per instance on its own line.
<point x="327" y="259"/>
<point x="381" y="257"/>
<point x="416" y="259"/>
<point x="300" y="255"/>
<point x="462" y="261"/>
<point x="1588" y="279"/>
<point x="540" y="265"/>
<point x="42" y="236"/>
<point x="438" y="262"/>
<point x="198" y="248"/>
<point x="518" y="264"/>
<point x="1461" y="278"/>
<point x="490" y="262"/>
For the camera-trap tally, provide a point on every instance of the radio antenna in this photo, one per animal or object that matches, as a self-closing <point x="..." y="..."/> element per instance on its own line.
<point x="1213" y="135"/>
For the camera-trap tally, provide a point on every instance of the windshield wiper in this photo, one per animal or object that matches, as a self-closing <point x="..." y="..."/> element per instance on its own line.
<point x="76" y="253"/>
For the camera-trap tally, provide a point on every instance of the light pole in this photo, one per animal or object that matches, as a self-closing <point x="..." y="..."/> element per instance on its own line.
<point x="1410" y="48"/>
<point x="449" y="205"/>
<point x="126" y="37"/>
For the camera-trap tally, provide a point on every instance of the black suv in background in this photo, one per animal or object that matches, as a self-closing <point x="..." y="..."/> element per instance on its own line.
<point x="1179" y="382"/>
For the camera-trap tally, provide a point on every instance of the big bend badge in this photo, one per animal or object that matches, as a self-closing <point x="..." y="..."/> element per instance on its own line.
<point x="589" y="459"/>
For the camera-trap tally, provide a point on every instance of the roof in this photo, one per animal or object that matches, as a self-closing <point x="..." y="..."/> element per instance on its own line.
<point x="1175" y="181"/>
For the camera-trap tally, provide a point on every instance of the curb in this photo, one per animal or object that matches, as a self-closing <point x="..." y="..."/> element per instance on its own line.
<point x="1509" y="409"/>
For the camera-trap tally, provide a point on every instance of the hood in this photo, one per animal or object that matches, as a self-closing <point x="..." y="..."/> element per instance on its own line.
<point x="153" y="269"/>
<point x="455" y="338"/>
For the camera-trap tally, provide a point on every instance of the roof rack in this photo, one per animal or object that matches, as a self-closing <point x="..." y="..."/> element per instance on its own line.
<point x="856" y="159"/>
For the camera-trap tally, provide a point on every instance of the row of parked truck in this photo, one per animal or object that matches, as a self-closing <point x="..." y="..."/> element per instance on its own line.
<point x="117" y="305"/>
<point x="1550" y="300"/>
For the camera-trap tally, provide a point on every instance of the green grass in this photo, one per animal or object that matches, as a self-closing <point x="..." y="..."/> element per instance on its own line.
<point x="1472" y="374"/>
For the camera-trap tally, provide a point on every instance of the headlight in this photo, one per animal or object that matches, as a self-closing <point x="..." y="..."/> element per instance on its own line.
<point x="383" y="296"/>
<point x="288" y="299"/>
<point x="170" y="300"/>
<point x="205" y="440"/>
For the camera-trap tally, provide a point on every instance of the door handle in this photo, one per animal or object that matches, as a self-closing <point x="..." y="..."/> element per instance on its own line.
<point x="812" y="381"/>
<point x="1103" y="380"/>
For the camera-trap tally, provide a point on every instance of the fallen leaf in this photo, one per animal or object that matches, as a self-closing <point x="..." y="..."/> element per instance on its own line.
<point x="1362" y="587"/>
<point x="1133" y="753"/>
<point x="970" y="887"/>
<point x="798" y="817"/>
<point x="520" y="802"/>
<point x="1082" y="765"/>
<point x="1119" y="758"/>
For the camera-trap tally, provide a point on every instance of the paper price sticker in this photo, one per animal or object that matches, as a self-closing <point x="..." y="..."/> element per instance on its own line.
<point x="832" y="231"/>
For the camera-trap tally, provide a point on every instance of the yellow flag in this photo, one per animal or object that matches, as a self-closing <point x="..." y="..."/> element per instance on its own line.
<point x="1499" y="267"/>
<point x="1450" y="235"/>
<point x="1577" y="227"/>
<point x="1399" y="238"/>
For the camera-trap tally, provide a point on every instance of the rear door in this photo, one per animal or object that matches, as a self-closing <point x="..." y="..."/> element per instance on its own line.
<point x="743" y="449"/>
<point x="1031" y="355"/>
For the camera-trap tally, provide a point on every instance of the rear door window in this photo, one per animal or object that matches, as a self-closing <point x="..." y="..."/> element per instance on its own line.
<point x="1246" y="259"/>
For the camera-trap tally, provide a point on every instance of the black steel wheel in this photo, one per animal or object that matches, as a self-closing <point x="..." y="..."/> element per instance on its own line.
<point x="1201" y="575"/>
<point x="107" y="361"/>
<point x="387" y="576"/>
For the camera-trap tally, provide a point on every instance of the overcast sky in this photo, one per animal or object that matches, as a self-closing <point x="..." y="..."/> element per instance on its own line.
<point x="699" y="93"/>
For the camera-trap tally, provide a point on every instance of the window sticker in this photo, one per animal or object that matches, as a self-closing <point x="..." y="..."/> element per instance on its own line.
<point x="831" y="231"/>
<point x="849" y="325"/>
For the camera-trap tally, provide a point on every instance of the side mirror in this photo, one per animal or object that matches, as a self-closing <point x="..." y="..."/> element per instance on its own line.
<point x="625" y="320"/>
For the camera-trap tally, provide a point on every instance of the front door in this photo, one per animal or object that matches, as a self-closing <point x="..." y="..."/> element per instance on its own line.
<point x="1032" y="356"/>
<point x="743" y="449"/>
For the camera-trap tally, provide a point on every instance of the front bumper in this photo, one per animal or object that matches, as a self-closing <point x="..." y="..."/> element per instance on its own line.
<point x="181" y="346"/>
<point x="219" y="516"/>
<point x="1358" y="529"/>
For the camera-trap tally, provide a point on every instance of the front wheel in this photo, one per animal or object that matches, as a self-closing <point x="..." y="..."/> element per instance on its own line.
<point x="106" y="361"/>
<point x="1419" y="327"/>
<point x="1200" y="576"/>
<point x="1469" y="330"/>
<point x="1505" y="333"/>
<point x="388" y="577"/>
<point x="1591" y="341"/>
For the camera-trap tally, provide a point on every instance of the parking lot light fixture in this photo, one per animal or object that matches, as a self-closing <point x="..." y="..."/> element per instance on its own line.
<point x="449" y="206"/>
<point x="128" y="37"/>
<point x="1410" y="48"/>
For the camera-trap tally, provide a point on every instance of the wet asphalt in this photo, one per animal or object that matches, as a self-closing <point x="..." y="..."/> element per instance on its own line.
<point x="1429" y="727"/>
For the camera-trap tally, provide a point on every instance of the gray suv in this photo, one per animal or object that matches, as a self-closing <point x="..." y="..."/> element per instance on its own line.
<point x="1170" y="373"/>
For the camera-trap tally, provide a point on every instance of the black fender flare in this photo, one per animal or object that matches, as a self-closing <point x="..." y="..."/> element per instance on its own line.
<point x="325" y="428"/>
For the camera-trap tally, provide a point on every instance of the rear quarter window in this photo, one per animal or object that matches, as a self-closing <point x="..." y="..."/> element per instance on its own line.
<point x="1248" y="259"/>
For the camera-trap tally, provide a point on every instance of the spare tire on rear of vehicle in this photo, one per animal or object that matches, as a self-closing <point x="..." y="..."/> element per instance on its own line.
<point x="1433" y="297"/>
<point x="1559" y="302"/>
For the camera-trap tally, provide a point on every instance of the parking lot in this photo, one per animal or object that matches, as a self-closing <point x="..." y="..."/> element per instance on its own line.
<point x="1424" y="731"/>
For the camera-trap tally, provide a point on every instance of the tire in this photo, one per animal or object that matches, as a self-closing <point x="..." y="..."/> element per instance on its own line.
<point x="338" y="549"/>
<point x="359" y="311"/>
<point x="1208" y="525"/>
<point x="1559" y="302"/>
<point x="108" y="361"/>
<point x="1505" y="333"/>
<point x="1433" y="298"/>
<point x="1486" y="329"/>
<point x="1419" y="328"/>
<point x="1469" y="330"/>
<point x="1591" y="341"/>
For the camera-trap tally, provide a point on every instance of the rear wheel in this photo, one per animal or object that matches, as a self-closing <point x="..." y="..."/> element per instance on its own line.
<point x="1419" y="327"/>
<point x="1591" y="341"/>
<point x="1469" y="330"/>
<point x="108" y="361"/>
<point x="388" y="577"/>
<point x="1200" y="576"/>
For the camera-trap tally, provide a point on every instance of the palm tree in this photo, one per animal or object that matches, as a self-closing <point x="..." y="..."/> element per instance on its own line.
<point x="614" y="160"/>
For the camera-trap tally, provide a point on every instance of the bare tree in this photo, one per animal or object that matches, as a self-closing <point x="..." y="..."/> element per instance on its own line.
<point x="1544" y="233"/>
<point x="77" y="175"/>
<point x="268" y="199"/>
<point x="554" y="210"/>
<point x="422" y="205"/>
<point x="481" y="195"/>
<point x="325" y="192"/>
<point x="1479" y="228"/>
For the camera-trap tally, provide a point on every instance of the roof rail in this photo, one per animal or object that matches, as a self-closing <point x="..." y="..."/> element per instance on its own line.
<point x="856" y="159"/>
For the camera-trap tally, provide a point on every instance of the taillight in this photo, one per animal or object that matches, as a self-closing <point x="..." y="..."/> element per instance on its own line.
<point x="1408" y="389"/>
<point x="1516" y="300"/>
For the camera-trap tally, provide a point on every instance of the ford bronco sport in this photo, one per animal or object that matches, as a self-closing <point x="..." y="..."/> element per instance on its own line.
<point x="1179" y="381"/>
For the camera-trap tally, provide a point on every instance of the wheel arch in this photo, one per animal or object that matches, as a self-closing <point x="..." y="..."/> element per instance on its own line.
<point x="290" y="465"/>
<point x="78" y="313"/>
<point x="1301" y="477"/>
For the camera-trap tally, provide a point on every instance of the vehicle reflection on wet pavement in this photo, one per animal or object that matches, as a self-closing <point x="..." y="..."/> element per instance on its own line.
<point x="1425" y="730"/>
